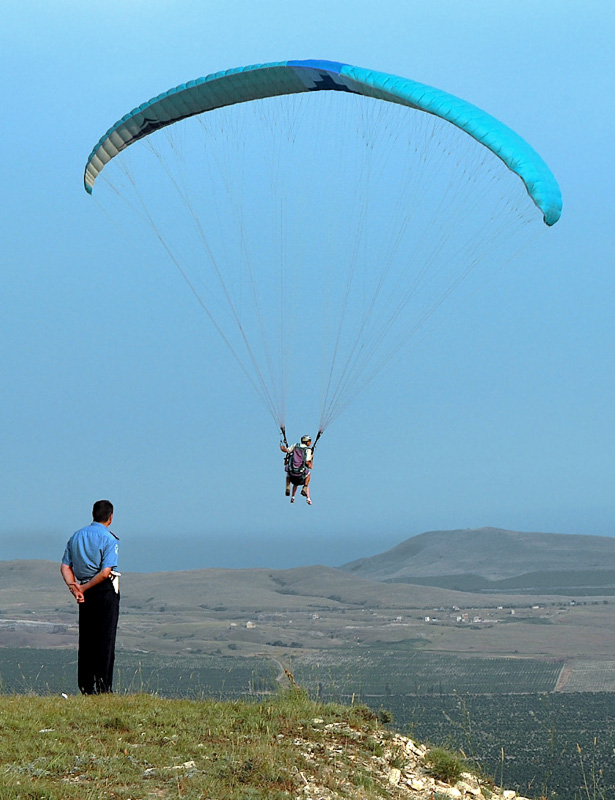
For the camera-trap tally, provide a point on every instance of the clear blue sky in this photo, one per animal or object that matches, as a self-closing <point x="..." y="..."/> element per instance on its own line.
<point x="113" y="386"/>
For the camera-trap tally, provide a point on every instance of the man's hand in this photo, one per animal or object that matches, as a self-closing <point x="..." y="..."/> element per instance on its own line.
<point x="69" y="579"/>
<point x="76" y="592"/>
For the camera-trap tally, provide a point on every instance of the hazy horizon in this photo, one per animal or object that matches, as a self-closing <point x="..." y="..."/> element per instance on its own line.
<point x="215" y="552"/>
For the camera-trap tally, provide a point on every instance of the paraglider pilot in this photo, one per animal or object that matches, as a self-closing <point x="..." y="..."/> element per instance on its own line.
<point x="298" y="466"/>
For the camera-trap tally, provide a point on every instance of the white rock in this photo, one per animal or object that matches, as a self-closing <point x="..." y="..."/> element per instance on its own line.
<point x="413" y="748"/>
<point x="468" y="789"/>
<point x="417" y="784"/>
<point x="394" y="776"/>
<point x="452" y="791"/>
<point x="509" y="794"/>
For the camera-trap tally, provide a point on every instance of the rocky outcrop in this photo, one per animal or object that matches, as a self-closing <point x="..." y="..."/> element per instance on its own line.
<point x="396" y="767"/>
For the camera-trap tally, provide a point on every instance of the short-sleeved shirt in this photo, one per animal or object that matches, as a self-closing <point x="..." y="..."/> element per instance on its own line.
<point x="91" y="549"/>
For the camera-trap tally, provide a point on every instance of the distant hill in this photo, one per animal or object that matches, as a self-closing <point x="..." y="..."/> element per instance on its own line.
<point x="228" y="590"/>
<point x="492" y="559"/>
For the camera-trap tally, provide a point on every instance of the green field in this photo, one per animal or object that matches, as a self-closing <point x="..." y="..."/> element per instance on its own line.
<point x="38" y="671"/>
<point x="365" y="674"/>
<point x="402" y="670"/>
<point x="590" y="582"/>
<point x="551" y="745"/>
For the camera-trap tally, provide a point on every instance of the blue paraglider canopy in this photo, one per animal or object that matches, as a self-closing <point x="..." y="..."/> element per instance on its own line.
<point x="291" y="77"/>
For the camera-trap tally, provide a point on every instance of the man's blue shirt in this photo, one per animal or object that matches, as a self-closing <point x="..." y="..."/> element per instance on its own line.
<point x="89" y="550"/>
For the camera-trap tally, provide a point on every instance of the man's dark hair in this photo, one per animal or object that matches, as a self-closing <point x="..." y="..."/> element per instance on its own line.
<point x="102" y="510"/>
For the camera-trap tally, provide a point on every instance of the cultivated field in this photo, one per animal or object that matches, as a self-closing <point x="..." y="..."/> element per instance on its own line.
<point x="382" y="672"/>
<point x="31" y="670"/>
<point x="546" y="745"/>
<point x="587" y="676"/>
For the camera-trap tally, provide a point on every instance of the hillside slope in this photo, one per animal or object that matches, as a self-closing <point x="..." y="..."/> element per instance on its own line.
<point x="141" y="746"/>
<point x="230" y="590"/>
<point x="490" y="554"/>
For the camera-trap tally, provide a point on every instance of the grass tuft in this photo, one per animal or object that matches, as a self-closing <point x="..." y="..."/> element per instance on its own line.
<point x="445" y="765"/>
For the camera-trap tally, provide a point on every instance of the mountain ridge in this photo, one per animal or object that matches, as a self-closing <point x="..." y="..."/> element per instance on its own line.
<point x="492" y="554"/>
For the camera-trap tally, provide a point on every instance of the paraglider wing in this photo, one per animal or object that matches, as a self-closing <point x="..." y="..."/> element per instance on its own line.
<point x="292" y="77"/>
<point x="321" y="225"/>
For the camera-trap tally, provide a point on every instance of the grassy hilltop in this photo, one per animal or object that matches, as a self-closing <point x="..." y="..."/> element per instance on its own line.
<point x="135" y="747"/>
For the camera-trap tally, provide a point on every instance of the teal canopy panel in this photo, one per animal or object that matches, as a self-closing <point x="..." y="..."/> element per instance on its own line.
<point x="259" y="81"/>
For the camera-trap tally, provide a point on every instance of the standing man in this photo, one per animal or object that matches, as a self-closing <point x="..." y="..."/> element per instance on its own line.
<point x="89" y="570"/>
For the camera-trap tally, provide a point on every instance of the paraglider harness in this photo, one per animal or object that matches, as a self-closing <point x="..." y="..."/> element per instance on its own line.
<point x="295" y="461"/>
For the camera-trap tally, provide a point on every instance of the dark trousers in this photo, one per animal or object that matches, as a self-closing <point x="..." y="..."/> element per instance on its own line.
<point x="98" y="615"/>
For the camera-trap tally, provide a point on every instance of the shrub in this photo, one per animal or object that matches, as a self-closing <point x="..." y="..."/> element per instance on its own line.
<point x="444" y="765"/>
